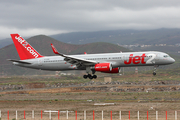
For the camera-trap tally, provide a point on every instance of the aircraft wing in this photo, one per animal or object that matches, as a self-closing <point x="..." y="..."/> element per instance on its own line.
<point x="74" y="60"/>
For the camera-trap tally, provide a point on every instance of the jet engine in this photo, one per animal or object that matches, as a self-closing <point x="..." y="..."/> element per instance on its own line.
<point x="114" y="70"/>
<point x="103" y="67"/>
<point x="106" y="68"/>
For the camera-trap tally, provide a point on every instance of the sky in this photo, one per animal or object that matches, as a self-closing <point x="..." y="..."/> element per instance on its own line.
<point x="48" y="17"/>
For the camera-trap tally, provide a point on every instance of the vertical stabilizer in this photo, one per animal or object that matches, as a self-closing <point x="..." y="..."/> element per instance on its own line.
<point x="24" y="49"/>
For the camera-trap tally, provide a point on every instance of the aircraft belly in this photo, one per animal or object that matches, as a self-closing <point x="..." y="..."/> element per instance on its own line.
<point x="116" y="64"/>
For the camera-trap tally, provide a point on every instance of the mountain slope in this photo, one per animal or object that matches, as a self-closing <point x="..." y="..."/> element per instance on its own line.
<point x="42" y="44"/>
<point x="158" y="36"/>
<point x="5" y="42"/>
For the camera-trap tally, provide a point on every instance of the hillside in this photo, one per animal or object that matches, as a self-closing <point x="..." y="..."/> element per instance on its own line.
<point x="5" y="42"/>
<point x="122" y="37"/>
<point x="167" y="49"/>
<point x="158" y="36"/>
<point x="42" y="44"/>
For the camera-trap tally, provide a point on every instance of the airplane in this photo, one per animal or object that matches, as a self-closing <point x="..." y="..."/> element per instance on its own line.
<point x="106" y="62"/>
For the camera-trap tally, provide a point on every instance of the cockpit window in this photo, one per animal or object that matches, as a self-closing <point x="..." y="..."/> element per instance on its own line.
<point x="166" y="56"/>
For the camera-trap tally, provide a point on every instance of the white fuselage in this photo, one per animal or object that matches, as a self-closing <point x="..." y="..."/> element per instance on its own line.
<point x="126" y="59"/>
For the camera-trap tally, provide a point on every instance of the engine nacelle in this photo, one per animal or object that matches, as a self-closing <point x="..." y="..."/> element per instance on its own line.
<point x="103" y="67"/>
<point x="114" y="70"/>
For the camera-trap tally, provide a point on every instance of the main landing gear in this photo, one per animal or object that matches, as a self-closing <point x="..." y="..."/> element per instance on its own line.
<point x="155" y="68"/>
<point x="88" y="70"/>
<point x="90" y="76"/>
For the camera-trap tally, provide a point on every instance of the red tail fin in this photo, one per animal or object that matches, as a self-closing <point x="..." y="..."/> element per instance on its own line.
<point x="24" y="49"/>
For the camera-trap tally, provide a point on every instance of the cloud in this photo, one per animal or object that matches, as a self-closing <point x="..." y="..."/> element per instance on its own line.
<point x="6" y="31"/>
<point x="52" y="16"/>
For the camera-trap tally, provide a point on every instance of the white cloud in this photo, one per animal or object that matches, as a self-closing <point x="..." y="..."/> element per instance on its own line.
<point x="52" y="16"/>
<point x="6" y="31"/>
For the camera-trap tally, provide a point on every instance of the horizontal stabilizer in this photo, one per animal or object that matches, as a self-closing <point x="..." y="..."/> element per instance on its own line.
<point x="19" y="61"/>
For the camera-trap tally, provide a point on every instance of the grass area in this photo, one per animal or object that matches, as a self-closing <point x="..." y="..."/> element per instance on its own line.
<point x="170" y="74"/>
<point x="18" y="80"/>
<point x="124" y="101"/>
<point x="95" y="96"/>
<point x="79" y="100"/>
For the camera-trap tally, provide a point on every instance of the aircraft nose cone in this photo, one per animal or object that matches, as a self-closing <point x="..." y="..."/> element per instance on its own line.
<point x="172" y="60"/>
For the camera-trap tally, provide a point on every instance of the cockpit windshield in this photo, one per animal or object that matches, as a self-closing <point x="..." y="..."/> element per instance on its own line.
<point x="166" y="56"/>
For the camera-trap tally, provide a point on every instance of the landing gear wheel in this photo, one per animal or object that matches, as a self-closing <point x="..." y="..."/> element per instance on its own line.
<point x="94" y="76"/>
<point x="154" y="73"/>
<point x="85" y="76"/>
<point x="155" y="68"/>
<point x="91" y="77"/>
<point x="90" y="70"/>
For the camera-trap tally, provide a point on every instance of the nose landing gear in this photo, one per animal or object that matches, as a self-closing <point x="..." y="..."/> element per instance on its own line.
<point x="154" y="73"/>
<point x="155" y="68"/>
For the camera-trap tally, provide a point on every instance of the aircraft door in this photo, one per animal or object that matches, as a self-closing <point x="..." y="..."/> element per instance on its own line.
<point x="122" y="59"/>
<point x="40" y="62"/>
<point x="157" y="57"/>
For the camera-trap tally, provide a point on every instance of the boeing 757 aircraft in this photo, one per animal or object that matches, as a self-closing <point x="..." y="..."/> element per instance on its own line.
<point x="106" y="62"/>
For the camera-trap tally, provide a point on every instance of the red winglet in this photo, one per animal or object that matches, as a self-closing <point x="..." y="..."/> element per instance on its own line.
<point x="54" y="49"/>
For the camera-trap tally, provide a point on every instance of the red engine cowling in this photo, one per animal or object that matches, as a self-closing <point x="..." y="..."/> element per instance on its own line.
<point x="114" y="70"/>
<point x="103" y="67"/>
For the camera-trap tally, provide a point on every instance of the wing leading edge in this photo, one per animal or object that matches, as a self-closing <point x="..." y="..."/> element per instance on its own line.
<point x="74" y="60"/>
